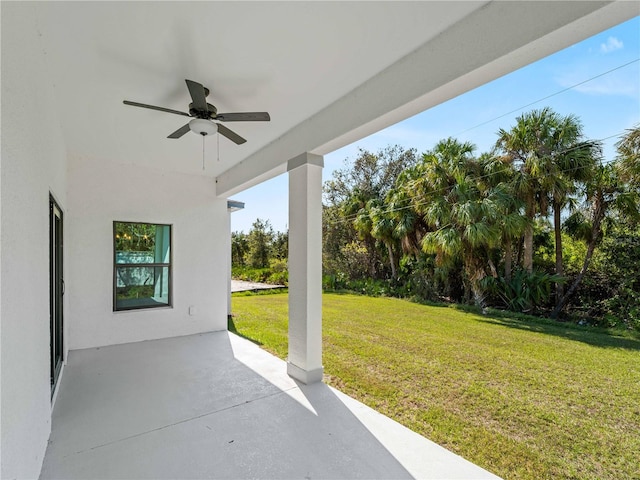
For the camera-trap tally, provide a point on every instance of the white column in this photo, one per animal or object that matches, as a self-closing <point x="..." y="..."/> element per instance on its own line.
<point x="232" y="206"/>
<point x="305" y="268"/>
<point x="228" y="248"/>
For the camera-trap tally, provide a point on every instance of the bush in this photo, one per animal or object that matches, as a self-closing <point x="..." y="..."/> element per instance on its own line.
<point x="368" y="286"/>
<point x="525" y="292"/>
<point x="251" y="274"/>
<point x="609" y="295"/>
<point x="335" y="282"/>
<point x="356" y="260"/>
<point x="418" y="280"/>
<point x="275" y="274"/>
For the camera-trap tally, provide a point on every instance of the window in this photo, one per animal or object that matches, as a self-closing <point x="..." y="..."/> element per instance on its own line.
<point x="141" y="265"/>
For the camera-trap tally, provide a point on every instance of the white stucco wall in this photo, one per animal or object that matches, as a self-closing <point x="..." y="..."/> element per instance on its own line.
<point x="33" y="164"/>
<point x="102" y="191"/>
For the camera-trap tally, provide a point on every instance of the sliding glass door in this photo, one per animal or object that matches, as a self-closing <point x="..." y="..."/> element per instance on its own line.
<point x="56" y="290"/>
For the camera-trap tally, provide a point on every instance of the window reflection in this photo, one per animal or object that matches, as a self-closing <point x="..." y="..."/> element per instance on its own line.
<point x="142" y="265"/>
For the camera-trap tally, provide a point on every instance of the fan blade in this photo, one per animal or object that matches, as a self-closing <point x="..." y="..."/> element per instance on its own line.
<point x="196" y="90"/>
<point x="180" y="132"/>
<point x="244" y="117"/>
<point x="152" y="107"/>
<point x="231" y="135"/>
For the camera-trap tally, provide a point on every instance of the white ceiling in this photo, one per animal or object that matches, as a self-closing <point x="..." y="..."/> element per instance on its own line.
<point x="292" y="59"/>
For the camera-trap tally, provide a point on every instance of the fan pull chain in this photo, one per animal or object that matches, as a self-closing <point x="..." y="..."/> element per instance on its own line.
<point x="218" y="142"/>
<point x="203" y="152"/>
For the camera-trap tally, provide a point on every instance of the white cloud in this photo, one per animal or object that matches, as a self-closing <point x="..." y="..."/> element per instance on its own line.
<point x="619" y="83"/>
<point x="611" y="44"/>
<point x="612" y="86"/>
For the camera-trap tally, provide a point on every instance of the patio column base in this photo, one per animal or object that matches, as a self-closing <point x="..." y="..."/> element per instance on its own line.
<point x="304" y="376"/>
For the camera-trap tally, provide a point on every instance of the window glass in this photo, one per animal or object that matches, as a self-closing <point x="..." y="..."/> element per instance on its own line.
<point x="142" y="265"/>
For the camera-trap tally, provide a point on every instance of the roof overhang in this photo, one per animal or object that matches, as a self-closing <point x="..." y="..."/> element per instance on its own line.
<point x="492" y="41"/>
<point x="329" y="73"/>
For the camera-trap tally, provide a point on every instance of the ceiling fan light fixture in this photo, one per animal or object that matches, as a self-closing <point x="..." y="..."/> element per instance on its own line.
<point x="203" y="113"/>
<point x="203" y="127"/>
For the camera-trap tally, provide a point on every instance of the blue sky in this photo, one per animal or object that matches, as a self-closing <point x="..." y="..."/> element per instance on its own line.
<point x="606" y="106"/>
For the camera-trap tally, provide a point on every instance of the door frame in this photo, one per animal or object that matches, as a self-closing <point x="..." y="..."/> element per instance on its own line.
<point x="56" y="291"/>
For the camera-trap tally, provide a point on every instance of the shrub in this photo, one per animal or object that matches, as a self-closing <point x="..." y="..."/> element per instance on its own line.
<point x="525" y="292"/>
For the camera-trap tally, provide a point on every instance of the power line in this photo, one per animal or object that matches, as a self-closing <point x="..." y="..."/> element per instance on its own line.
<point x="549" y="96"/>
<point x="353" y="217"/>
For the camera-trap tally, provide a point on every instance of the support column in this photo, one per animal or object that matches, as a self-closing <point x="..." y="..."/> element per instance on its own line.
<point x="232" y="206"/>
<point x="305" y="268"/>
<point x="229" y="262"/>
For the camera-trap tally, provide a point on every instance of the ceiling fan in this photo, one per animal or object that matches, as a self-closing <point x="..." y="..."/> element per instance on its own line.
<point x="204" y="113"/>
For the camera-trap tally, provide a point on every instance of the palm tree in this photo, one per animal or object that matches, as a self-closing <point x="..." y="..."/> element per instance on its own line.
<point x="629" y="157"/>
<point x="383" y="228"/>
<point x="614" y="187"/>
<point x="360" y="191"/>
<point x="549" y="158"/>
<point x="460" y="209"/>
<point x="572" y="168"/>
<point x="499" y="174"/>
<point x="604" y="192"/>
<point x="409" y="224"/>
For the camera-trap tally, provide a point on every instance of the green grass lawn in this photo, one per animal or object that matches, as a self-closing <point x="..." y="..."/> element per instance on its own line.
<point x="521" y="398"/>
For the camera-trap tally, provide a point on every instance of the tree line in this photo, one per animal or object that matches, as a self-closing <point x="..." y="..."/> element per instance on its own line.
<point x="260" y="255"/>
<point x="541" y="223"/>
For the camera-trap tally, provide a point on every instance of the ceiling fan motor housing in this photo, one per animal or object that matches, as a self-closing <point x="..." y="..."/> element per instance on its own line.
<point x="211" y="111"/>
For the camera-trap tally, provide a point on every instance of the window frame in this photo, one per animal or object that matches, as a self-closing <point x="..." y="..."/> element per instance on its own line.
<point x="116" y="265"/>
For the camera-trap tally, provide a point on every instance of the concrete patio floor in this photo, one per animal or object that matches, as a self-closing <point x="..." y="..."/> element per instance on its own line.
<point x="215" y="405"/>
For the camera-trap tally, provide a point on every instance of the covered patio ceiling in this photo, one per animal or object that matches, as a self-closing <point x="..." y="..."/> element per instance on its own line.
<point x="329" y="73"/>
